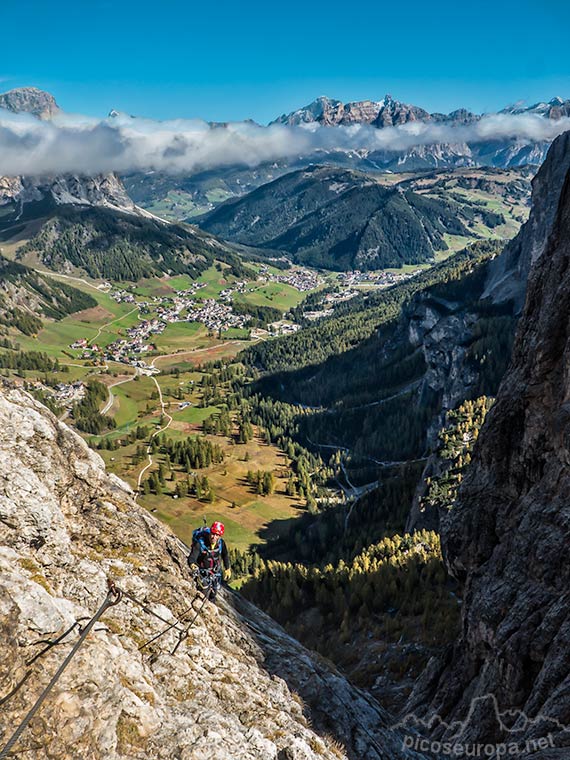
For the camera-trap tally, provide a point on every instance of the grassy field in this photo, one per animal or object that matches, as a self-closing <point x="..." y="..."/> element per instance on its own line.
<point x="176" y="205"/>
<point x="183" y="335"/>
<point x="249" y="518"/>
<point x="279" y="295"/>
<point x="104" y="323"/>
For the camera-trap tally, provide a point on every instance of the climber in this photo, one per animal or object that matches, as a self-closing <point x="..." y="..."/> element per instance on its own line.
<point x="208" y="553"/>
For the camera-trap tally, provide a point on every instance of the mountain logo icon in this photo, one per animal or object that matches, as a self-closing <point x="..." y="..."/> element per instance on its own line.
<point x="511" y="723"/>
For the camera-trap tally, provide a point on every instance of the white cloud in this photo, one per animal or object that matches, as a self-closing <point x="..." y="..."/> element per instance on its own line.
<point x="79" y="144"/>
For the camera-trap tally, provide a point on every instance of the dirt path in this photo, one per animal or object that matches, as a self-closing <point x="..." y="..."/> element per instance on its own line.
<point x="180" y="354"/>
<point x="69" y="277"/>
<point x="156" y="432"/>
<point x="112" y="322"/>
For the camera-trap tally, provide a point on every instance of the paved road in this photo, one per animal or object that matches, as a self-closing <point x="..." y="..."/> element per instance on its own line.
<point x="111" y="398"/>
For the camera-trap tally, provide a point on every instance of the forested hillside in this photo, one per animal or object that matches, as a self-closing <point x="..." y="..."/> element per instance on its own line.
<point x="357" y="319"/>
<point x="390" y="363"/>
<point x="340" y="219"/>
<point x="27" y="296"/>
<point x="106" y="243"/>
<point x="393" y="592"/>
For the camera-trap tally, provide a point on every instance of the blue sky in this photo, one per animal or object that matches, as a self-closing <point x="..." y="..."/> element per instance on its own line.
<point x="229" y="61"/>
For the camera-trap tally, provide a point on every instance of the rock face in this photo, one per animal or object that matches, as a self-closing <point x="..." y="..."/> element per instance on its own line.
<point x="330" y="112"/>
<point x="238" y="686"/>
<point x="104" y="190"/>
<point x="554" y="109"/>
<point x="509" y="273"/>
<point x="508" y="152"/>
<point x="392" y="113"/>
<point x="507" y="538"/>
<point x="381" y="113"/>
<point x="389" y="112"/>
<point x="445" y="342"/>
<point x="444" y="333"/>
<point x="30" y="100"/>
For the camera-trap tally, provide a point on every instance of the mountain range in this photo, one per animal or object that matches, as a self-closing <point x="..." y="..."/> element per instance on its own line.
<point x="335" y="218"/>
<point x="184" y="195"/>
<point x="89" y="224"/>
<point x="390" y="364"/>
<point x="324" y="216"/>
<point x="389" y="112"/>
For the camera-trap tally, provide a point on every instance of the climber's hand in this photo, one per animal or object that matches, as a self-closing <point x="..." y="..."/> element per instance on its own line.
<point x="227" y="574"/>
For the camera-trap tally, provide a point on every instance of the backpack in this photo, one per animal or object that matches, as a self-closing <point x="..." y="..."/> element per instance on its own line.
<point x="214" y="557"/>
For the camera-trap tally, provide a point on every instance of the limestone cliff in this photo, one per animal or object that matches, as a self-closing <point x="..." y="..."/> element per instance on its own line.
<point x="237" y="687"/>
<point x="507" y="539"/>
<point x="30" y="100"/>
<point x="509" y="272"/>
<point x="19" y="194"/>
<point x="445" y="338"/>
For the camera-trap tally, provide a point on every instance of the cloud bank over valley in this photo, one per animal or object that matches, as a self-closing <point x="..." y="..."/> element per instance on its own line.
<point x="77" y="144"/>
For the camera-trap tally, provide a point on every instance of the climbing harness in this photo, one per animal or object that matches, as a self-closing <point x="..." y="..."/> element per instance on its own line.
<point x="208" y="581"/>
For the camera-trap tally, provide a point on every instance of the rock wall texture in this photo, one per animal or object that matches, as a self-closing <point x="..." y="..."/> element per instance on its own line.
<point x="237" y="688"/>
<point x="508" y="274"/>
<point x="445" y="340"/>
<point x="508" y="537"/>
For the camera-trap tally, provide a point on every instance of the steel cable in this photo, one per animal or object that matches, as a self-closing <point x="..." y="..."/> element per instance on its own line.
<point x="113" y="597"/>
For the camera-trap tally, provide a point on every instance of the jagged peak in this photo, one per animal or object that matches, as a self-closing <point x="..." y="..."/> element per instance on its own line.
<point x="30" y="100"/>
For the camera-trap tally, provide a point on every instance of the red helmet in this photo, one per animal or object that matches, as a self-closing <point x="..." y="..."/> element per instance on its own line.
<point x="217" y="528"/>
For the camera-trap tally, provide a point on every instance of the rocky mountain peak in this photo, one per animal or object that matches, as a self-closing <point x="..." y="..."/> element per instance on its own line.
<point x="508" y="274"/>
<point x="556" y="108"/>
<point x="393" y="112"/>
<point x="68" y="189"/>
<point x="30" y="100"/>
<point x="19" y="195"/>
<point x="237" y="685"/>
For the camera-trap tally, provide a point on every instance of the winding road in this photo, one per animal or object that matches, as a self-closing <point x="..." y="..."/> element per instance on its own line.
<point x="112" y="322"/>
<point x="156" y="432"/>
<point x="111" y="398"/>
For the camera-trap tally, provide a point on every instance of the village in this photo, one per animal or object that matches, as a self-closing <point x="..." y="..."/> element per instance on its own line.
<point x="380" y="279"/>
<point x="217" y="314"/>
<point x="157" y="312"/>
